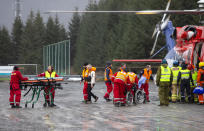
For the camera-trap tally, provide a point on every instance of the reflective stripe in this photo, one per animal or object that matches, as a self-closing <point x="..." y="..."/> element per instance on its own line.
<point x="175" y="71"/>
<point x="117" y="98"/>
<point x="122" y="76"/>
<point x="165" y="74"/>
<point x="185" y="74"/>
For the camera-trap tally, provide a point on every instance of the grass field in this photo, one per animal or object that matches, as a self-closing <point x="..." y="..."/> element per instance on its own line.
<point x="4" y="79"/>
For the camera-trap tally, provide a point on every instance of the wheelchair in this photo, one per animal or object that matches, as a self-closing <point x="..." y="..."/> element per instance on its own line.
<point x="135" y="96"/>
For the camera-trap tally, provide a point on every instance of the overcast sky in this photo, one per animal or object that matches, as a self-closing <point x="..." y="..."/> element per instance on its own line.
<point x="7" y="9"/>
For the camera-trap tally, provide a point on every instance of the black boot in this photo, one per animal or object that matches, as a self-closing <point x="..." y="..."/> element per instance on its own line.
<point x="18" y="106"/>
<point x="13" y="106"/>
<point x="96" y="99"/>
<point x="52" y="105"/>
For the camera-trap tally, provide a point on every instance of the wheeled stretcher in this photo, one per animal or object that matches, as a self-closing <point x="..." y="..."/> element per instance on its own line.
<point x="36" y="85"/>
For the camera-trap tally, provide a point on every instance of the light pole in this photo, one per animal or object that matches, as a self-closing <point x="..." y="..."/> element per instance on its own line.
<point x="69" y="58"/>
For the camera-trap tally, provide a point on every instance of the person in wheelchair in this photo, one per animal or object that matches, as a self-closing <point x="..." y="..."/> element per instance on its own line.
<point x="133" y="84"/>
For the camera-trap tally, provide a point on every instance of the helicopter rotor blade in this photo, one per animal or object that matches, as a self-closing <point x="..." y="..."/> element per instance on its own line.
<point x="155" y="42"/>
<point x="164" y="24"/>
<point x="144" y="12"/>
<point x="167" y="8"/>
<point x="155" y="31"/>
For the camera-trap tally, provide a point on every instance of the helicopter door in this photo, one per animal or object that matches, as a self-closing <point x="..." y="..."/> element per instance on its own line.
<point x="197" y="54"/>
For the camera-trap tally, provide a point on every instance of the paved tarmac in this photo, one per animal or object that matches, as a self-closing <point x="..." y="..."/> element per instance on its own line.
<point x="73" y="115"/>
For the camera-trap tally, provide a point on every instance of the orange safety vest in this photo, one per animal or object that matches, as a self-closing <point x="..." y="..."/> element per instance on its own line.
<point x="147" y="74"/>
<point x="132" y="77"/>
<point x="110" y="74"/>
<point x="200" y="77"/>
<point x="122" y="76"/>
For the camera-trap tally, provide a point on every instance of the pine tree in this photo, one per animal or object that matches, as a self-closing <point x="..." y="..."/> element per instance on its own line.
<point x="26" y="48"/>
<point x="6" y="47"/>
<point x="16" y="33"/>
<point x="73" y="33"/>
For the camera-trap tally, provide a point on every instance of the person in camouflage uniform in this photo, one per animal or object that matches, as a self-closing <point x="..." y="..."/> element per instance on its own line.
<point x="164" y="81"/>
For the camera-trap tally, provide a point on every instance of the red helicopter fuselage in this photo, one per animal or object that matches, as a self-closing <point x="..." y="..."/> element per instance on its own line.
<point x="189" y="43"/>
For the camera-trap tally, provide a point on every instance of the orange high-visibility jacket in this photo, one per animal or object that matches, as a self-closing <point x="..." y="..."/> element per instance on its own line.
<point x="147" y="74"/>
<point x="200" y="77"/>
<point x="109" y="75"/>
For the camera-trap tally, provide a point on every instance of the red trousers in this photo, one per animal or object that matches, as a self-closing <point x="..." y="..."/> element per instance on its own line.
<point x="15" y="91"/>
<point x="129" y="88"/>
<point x="109" y="89"/>
<point x="119" y="93"/>
<point x="146" y="90"/>
<point x="47" y="95"/>
<point x="85" y="93"/>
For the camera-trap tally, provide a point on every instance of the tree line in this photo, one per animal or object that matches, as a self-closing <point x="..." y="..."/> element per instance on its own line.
<point x="104" y="37"/>
<point x="95" y="38"/>
<point x="25" y="42"/>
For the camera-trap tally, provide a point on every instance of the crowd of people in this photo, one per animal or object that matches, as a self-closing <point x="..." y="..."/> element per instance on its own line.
<point x="176" y="84"/>
<point x="122" y="80"/>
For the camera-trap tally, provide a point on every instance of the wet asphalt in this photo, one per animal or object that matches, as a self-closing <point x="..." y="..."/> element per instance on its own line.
<point x="73" y="115"/>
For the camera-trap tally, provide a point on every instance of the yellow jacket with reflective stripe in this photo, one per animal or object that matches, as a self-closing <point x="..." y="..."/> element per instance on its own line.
<point x="47" y="74"/>
<point x="175" y="71"/>
<point x="132" y="76"/>
<point x="122" y="76"/>
<point x="165" y="74"/>
<point x="185" y="74"/>
<point x="194" y="77"/>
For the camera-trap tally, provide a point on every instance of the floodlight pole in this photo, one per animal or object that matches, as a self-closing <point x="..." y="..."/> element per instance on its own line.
<point x="69" y="57"/>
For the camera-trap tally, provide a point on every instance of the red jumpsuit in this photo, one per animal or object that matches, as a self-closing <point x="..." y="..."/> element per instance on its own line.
<point x="147" y="74"/>
<point x="108" y="76"/>
<point x="15" y="90"/>
<point x="120" y="81"/>
<point x="47" y="88"/>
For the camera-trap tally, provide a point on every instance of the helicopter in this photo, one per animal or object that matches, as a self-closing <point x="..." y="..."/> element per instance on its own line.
<point x="183" y="43"/>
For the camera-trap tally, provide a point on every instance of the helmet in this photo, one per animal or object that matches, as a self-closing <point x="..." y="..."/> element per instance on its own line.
<point x="164" y="61"/>
<point x="175" y="63"/>
<point x="201" y="64"/>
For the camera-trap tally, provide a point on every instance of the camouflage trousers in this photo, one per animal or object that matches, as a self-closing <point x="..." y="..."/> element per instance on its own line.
<point x="164" y="95"/>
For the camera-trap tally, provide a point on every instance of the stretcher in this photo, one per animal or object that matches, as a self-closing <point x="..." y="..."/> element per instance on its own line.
<point x="36" y="85"/>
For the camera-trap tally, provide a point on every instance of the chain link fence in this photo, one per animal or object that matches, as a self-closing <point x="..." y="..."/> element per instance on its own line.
<point x="57" y="55"/>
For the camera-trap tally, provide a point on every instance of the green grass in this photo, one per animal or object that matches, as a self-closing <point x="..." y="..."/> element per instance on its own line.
<point x="4" y="79"/>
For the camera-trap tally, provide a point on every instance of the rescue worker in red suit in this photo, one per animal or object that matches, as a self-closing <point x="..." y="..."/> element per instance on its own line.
<point x="85" y="74"/>
<point x="15" y="89"/>
<point x="50" y="73"/>
<point x="120" y="81"/>
<point x="147" y="72"/>
<point x="107" y="78"/>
